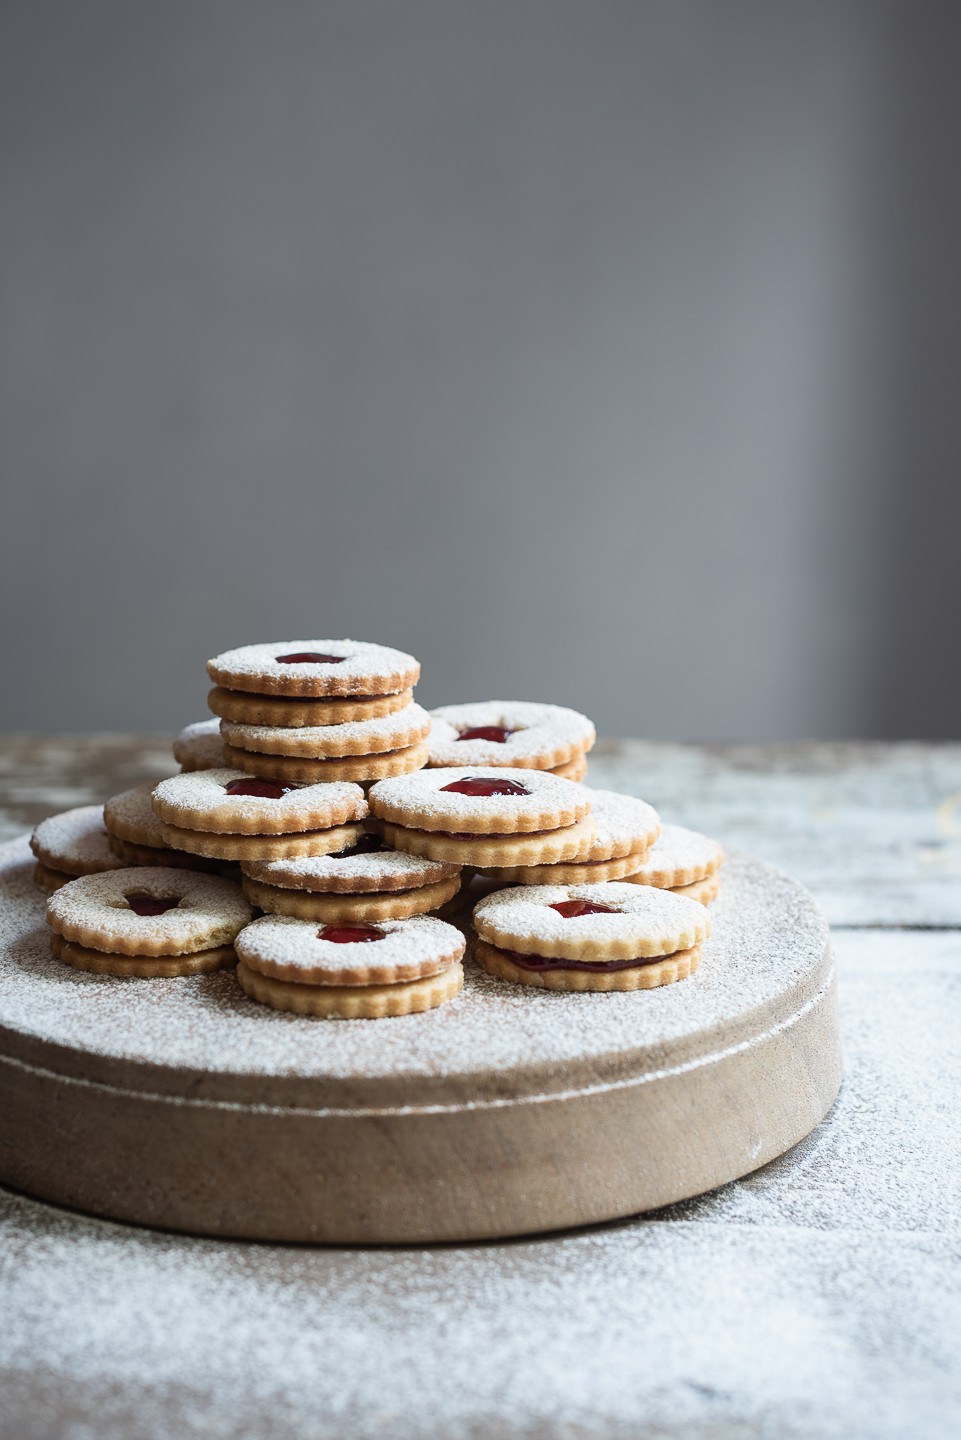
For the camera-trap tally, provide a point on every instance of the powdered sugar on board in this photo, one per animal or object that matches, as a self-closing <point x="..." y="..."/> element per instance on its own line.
<point x="75" y="841"/>
<point x="767" y="947"/>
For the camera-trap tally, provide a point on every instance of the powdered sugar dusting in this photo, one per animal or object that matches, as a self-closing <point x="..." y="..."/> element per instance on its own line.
<point x="279" y="940"/>
<point x="362" y="662"/>
<point x="187" y="800"/>
<point x="199" y="746"/>
<point x="541" y="731"/>
<point x="96" y="902"/>
<point x="679" y="857"/>
<point x="521" y="918"/>
<point x="130" y="815"/>
<point x="420" y="801"/>
<point x="379" y="869"/>
<point x="75" y="841"/>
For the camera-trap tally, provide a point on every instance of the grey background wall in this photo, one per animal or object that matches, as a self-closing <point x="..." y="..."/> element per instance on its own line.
<point x="599" y="352"/>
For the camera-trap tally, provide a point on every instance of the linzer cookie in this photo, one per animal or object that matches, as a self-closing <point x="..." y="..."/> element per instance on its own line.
<point x="350" y="972"/>
<point x="366" y="881"/>
<point x="589" y="937"/>
<point x="147" y="922"/>
<point x="681" y="859"/>
<point x="482" y="816"/>
<point x="361" y="750"/>
<point x="135" y="835"/>
<point x="234" y="816"/>
<point x="289" y="711"/>
<point x="624" y="830"/>
<point x="509" y="733"/>
<point x="71" y="844"/>
<point x="200" y="746"/>
<point x="316" y="669"/>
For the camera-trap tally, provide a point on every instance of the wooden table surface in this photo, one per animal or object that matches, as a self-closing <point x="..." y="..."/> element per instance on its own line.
<point x="818" y="1297"/>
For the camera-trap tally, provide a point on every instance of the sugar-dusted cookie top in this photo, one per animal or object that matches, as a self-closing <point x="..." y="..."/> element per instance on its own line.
<point x="368" y="865"/>
<point x="315" y="668"/>
<point x="508" y="732"/>
<point x="232" y="802"/>
<point x="679" y="857"/>
<point x="480" y="800"/>
<point x="387" y="953"/>
<point x="591" y="922"/>
<point x="149" y="910"/>
<point x="200" y="746"/>
<point x="74" y="842"/>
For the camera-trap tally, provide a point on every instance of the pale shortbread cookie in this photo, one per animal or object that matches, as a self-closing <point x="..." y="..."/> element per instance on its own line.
<point x="129" y="853"/>
<point x="347" y="667"/>
<point x="512" y="733"/>
<point x="679" y="857"/>
<point x="100" y="912"/>
<point x="513" y="803"/>
<point x="290" y="711"/>
<point x="219" y="845"/>
<point x="143" y="967"/>
<point x="397" y="731"/>
<point x="631" y="922"/>
<point x="358" y="768"/>
<point x="386" y="954"/>
<point x="49" y="880"/>
<point x="135" y="835"/>
<point x="353" y="1002"/>
<point x="646" y="975"/>
<point x="356" y="906"/>
<point x="485" y="851"/>
<point x="74" y="843"/>
<point x="368" y="865"/>
<point x="200" y="746"/>
<point x="704" y="891"/>
<point x="624" y="829"/>
<point x="573" y="770"/>
<point x="225" y="801"/>
<point x="573" y="872"/>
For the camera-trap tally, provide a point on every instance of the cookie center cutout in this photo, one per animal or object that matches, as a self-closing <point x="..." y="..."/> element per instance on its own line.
<point x="350" y="934"/>
<point x="496" y="733"/>
<point x="483" y="786"/>
<point x="366" y="845"/>
<point x="142" y="904"/>
<point x="310" y="657"/>
<point x="572" y="909"/>
<point x="263" y="789"/>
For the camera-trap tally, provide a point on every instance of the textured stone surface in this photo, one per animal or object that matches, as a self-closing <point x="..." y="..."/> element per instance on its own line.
<point x="819" y="1297"/>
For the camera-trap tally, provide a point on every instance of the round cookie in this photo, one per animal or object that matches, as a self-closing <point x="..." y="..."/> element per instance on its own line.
<point x="199" y="746"/>
<point x="650" y="975"/>
<point x="608" y="922"/>
<point x="624" y="830"/>
<point x="574" y="770"/>
<point x="367" y="865"/>
<point x="135" y="835"/>
<point x="376" y="736"/>
<point x="479" y="800"/>
<point x="356" y="907"/>
<point x="705" y="891"/>
<point x="353" y="1002"/>
<point x="392" y="952"/>
<point x="246" y="709"/>
<point x="508" y="733"/>
<point x="230" y="802"/>
<point x="149" y="912"/>
<point x="678" y="857"/>
<point x="485" y="852"/>
<point x="72" y="843"/>
<point x="356" y="768"/>
<point x="215" y="845"/>
<point x="315" y="668"/>
<point x="142" y="967"/>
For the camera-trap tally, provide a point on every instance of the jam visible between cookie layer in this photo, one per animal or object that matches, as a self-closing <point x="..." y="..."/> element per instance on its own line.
<point x="482" y="786"/>
<point x="572" y="909"/>
<point x="263" y="789"/>
<point x="350" y="934"/>
<point x="368" y="844"/>
<point x="496" y="733"/>
<point x="152" y="904"/>
<point x="309" y="657"/>
<point x="544" y="962"/>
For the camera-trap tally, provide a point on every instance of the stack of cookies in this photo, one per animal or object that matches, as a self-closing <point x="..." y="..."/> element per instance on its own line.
<point x="314" y="711"/>
<point x="135" y="835"/>
<point x="71" y="844"/>
<point x="511" y="734"/>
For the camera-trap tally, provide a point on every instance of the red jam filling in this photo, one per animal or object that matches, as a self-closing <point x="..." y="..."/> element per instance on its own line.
<point x="597" y="967"/>
<point x="263" y="789"/>
<point x="367" y="845"/>
<point x="571" y="909"/>
<point x="350" y="934"/>
<point x="480" y="785"/>
<point x="152" y="904"/>
<point x="309" y="657"/>
<point x="497" y="733"/>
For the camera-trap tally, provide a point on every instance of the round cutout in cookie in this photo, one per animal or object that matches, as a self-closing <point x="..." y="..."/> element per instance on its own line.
<point x="361" y="738"/>
<point x="355" y="906"/>
<point x="73" y="843"/>
<point x="479" y="800"/>
<point x="508" y="733"/>
<point x="315" y="668"/>
<point x="200" y="746"/>
<point x="233" y="802"/>
<point x="149" y="912"/>
<point x="591" y="923"/>
<point x="679" y="857"/>
<point x="392" y="952"/>
<point x="294" y="713"/>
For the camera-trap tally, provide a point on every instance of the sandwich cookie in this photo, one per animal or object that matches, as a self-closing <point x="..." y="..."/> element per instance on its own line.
<point x="294" y="713"/>
<point x="365" y="881"/>
<point x="350" y="972"/>
<point x="71" y="844"/>
<point x="509" y="733"/>
<point x="484" y="816"/>
<point x="315" y="669"/>
<point x="684" y="861"/>
<point x="589" y="937"/>
<point x="135" y="835"/>
<point x="361" y="750"/>
<point x="573" y="770"/>
<point x="199" y="746"/>
<point x="624" y="830"/>
<point x="147" y="922"/>
<point x="230" y="815"/>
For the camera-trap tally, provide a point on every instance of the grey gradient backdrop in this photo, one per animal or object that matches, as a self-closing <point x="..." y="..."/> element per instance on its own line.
<point x="598" y="352"/>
